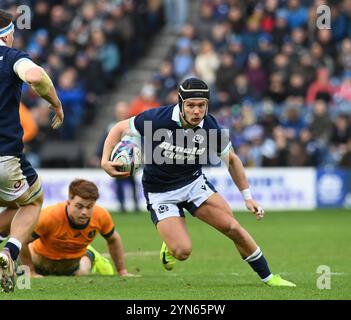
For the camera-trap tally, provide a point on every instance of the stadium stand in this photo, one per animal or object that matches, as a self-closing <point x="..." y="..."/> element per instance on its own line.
<point x="280" y="84"/>
<point x="86" y="46"/>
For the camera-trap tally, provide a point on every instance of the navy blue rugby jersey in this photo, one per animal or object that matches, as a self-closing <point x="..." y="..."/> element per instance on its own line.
<point x="173" y="155"/>
<point x="11" y="131"/>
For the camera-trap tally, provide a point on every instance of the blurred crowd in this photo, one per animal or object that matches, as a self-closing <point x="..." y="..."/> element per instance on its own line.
<point x="85" y="46"/>
<point x="280" y="84"/>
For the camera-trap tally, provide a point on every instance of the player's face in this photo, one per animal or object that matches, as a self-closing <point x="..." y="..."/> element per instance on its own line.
<point x="80" y="210"/>
<point x="195" y="110"/>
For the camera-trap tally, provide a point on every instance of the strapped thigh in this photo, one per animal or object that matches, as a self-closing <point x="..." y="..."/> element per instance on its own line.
<point x="19" y="183"/>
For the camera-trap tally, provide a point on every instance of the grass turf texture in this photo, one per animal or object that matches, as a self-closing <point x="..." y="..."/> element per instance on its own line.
<point x="294" y="243"/>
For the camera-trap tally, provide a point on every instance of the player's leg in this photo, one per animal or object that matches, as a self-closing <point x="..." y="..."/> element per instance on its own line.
<point x="27" y="215"/>
<point x="44" y="266"/>
<point x="100" y="264"/>
<point x="39" y="265"/>
<point x="168" y="218"/>
<point x="85" y="266"/>
<point x="174" y="233"/>
<point x="19" y="186"/>
<point x="6" y="217"/>
<point x="216" y="212"/>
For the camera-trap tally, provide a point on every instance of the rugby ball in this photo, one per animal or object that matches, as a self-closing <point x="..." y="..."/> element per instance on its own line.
<point x="128" y="152"/>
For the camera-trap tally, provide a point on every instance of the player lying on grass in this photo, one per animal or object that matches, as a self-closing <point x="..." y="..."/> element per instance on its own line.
<point x="180" y="138"/>
<point x="60" y="242"/>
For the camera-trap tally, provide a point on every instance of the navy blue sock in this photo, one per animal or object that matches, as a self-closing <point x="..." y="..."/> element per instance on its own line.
<point x="259" y="264"/>
<point x="14" y="250"/>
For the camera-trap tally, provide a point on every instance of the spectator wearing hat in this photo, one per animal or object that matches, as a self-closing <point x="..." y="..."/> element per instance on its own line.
<point x="251" y="35"/>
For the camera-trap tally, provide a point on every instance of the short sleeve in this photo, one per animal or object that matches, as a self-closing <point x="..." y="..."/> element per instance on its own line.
<point x="138" y="123"/>
<point x="106" y="225"/>
<point x="223" y="142"/>
<point x="19" y="56"/>
<point x="223" y="138"/>
<point x="135" y="125"/>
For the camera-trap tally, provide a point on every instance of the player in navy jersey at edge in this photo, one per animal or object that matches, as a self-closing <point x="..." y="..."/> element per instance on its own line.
<point x="178" y="140"/>
<point x="20" y="188"/>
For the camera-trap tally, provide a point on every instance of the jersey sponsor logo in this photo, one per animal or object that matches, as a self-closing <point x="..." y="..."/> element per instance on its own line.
<point x="1" y="58"/>
<point x="203" y="187"/>
<point x="177" y="152"/>
<point x="183" y="146"/>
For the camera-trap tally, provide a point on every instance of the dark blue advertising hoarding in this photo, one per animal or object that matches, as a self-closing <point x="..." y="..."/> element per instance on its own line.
<point x="333" y="188"/>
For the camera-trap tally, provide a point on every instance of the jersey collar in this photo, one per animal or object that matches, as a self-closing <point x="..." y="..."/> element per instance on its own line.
<point x="76" y="226"/>
<point x="176" y="117"/>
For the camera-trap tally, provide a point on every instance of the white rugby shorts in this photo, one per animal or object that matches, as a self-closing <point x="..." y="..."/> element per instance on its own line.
<point x="163" y="205"/>
<point x="13" y="182"/>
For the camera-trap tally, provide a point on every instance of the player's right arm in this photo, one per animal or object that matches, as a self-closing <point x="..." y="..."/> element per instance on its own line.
<point x="114" y="136"/>
<point x="38" y="79"/>
<point x="26" y="257"/>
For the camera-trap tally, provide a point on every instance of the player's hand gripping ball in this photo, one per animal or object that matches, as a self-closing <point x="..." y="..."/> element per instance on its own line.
<point x="129" y="153"/>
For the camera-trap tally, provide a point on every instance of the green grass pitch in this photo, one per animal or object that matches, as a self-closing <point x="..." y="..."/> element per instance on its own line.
<point x="294" y="243"/>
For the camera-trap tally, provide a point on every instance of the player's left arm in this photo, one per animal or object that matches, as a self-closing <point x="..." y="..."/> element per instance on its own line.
<point x="115" y="247"/>
<point x="237" y="172"/>
<point x="113" y="239"/>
